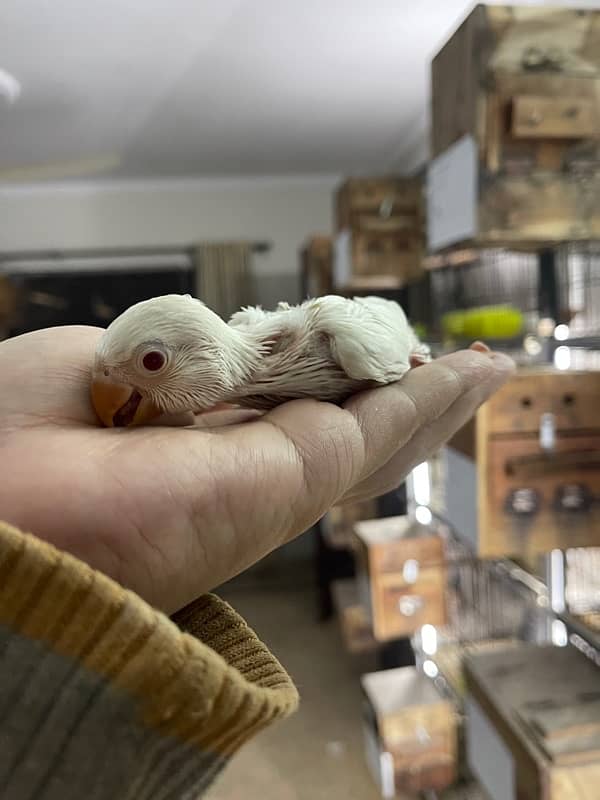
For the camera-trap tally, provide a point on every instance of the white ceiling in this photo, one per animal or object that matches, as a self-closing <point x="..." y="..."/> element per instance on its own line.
<point x="151" y="88"/>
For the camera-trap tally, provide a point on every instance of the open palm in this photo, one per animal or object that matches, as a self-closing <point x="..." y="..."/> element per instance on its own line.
<point x="172" y="512"/>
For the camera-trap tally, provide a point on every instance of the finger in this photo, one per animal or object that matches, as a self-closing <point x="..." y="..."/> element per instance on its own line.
<point x="225" y="418"/>
<point x="173" y="420"/>
<point x="338" y="448"/>
<point x="389" y="417"/>
<point x="420" y="448"/>
<point x="480" y="347"/>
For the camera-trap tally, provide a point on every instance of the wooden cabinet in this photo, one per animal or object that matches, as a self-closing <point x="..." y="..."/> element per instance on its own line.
<point x="337" y="525"/>
<point x="316" y="263"/>
<point x="516" y="114"/>
<point x="409" y="722"/>
<point x="354" y="623"/>
<point x="401" y="576"/>
<point x="533" y="723"/>
<point x="380" y="233"/>
<point x="524" y="476"/>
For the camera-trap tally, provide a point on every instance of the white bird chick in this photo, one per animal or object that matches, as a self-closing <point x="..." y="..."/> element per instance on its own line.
<point x="173" y="354"/>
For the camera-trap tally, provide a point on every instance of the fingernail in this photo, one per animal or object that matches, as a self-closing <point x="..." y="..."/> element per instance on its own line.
<point x="481" y="347"/>
<point x="503" y="361"/>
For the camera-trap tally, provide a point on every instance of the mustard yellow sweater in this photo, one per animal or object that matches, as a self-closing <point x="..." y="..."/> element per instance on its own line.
<point x="102" y="697"/>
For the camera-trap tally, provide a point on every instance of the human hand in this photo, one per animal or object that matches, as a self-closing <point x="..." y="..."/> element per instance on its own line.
<point x="172" y="512"/>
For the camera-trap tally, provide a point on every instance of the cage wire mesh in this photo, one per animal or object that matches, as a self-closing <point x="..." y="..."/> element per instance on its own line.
<point x="494" y="277"/>
<point x="499" y="277"/>
<point x="582" y="584"/>
<point x="490" y="605"/>
<point x="492" y="600"/>
<point x="578" y="273"/>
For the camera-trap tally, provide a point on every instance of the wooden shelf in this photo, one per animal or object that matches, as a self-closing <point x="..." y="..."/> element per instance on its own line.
<point x="353" y="619"/>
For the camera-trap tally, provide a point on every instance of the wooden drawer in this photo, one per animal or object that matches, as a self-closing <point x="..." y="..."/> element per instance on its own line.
<point x="407" y="556"/>
<point x="414" y="725"/>
<point x="547" y="117"/>
<point x="537" y="501"/>
<point x="388" y="544"/>
<point x="378" y="197"/>
<point x="396" y="254"/>
<point x="401" y="575"/>
<point x="400" y="608"/>
<point x="523" y="478"/>
<point x="427" y="771"/>
<point x="571" y="397"/>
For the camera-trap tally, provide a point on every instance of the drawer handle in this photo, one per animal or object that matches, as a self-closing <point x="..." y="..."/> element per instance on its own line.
<point x="410" y="604"/>
<point x="410" y="570"/>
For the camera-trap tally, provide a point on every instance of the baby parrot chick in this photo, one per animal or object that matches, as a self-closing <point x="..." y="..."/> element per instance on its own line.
<point x="172" y="354"/>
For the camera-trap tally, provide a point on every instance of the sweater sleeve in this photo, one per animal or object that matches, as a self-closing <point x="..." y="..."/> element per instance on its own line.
<point x="103" y="697"/>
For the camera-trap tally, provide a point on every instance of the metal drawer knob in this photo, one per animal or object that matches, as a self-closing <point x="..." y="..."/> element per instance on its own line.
<point x="410" y="604"/>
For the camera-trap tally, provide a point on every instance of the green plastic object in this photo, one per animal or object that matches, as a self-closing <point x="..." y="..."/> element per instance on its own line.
<point x="487" y="322"/>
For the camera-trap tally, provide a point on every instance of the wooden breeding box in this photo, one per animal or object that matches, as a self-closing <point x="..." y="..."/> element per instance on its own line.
<point x="379" y="240"/>
<point x="524" y="476"/>
<point x="533" y="723"/>
<point x="516" y="128"/>
<point x="401" y="576"/>
<point x="316" y="264"/>
<point x="353" y="619"/>
<point x="410" y="732"/>
<point x="9" y="303"/>
<point x="338" y="524"/>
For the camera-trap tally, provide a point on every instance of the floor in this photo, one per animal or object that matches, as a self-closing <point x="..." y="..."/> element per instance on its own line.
<point x="318" y="753"/>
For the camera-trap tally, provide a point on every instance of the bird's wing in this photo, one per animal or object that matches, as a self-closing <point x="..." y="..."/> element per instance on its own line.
<point x="251" y="315"/>
<point x="370" y="337"/>
<point x="274" y="330"/>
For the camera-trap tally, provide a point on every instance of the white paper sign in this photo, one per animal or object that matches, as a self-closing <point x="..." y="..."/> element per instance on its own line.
<point x="488" y="757"/>
<point x="342" y="258"/>
<point x="452" y="195"/>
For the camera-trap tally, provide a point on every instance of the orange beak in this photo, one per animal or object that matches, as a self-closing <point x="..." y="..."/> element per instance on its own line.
<point x="120" y="405"/>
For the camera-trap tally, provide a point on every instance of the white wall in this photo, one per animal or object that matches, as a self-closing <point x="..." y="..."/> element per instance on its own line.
<point x="283" y="211"/>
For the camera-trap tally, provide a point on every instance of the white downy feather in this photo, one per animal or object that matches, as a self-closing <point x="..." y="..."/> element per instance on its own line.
<point x="369" y="337"/>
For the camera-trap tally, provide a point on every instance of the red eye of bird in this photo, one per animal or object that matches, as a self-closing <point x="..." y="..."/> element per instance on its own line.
<point x="153" y="361"/>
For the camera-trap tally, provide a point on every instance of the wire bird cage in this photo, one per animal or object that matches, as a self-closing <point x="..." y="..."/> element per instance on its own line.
<point x="495" y="276"/>
<point x="505" y="277"/>
<point x="582" y="584"/>
<point x="490" y="604"/>
<point x="573" y="578"/>
<point x="578" y="273"/>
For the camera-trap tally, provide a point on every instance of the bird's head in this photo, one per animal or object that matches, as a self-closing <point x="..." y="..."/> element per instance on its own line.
<point x="166" y="355"/>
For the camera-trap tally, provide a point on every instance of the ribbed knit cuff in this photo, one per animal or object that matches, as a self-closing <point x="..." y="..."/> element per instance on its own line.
<point x="209" y="682"/>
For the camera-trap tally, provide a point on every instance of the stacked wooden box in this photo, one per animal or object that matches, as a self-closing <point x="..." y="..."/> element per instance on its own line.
<point x="354" y="622"/>
<point x="9" y="301"/>
<point x="338" y="524"/>
<point x="533" y="723"/>
<point x="516" y="129"/>
<point x="522" y="478"/>
<point x="401" y="576"/>
<point x="410" y="732"/>
<point x="379" y="242"/>
<point x="316" y="264"/>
